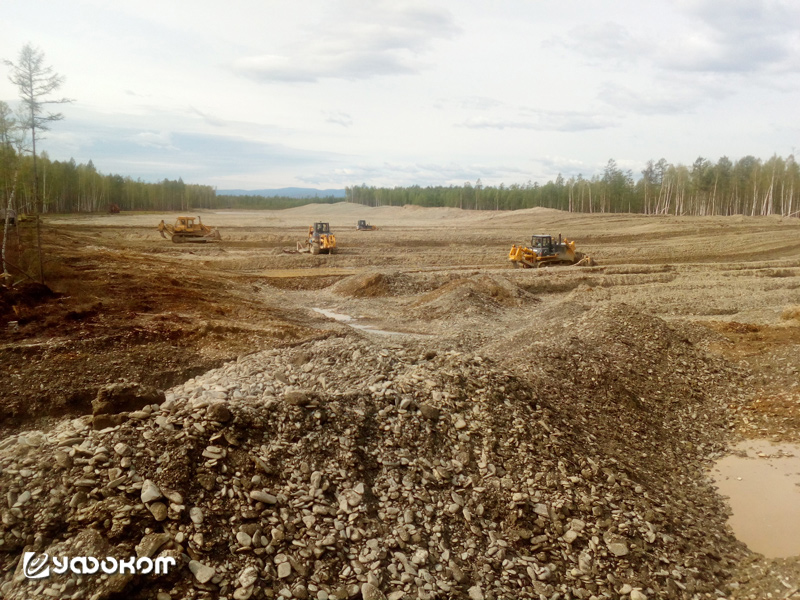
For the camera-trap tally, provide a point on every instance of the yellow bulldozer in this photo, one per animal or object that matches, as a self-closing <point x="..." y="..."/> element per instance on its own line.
<point x="186" y="230"/>
<point x="544" y="251"/>
<point x="320" y="240"/>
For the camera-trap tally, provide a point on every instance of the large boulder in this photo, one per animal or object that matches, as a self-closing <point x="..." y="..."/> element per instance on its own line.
<point x="117" y="398"/>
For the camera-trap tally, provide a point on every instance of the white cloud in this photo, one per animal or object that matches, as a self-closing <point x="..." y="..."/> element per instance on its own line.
<point x="481" y="94"/>
<point x="151" y="139"/>
<point x="720" y="36"/>
<point x="543" y="120"/>
<point x="736" y="36"/>
<point x="398" y="174"/>
<point x="672" y="98"/>
<point x="359" y="40"/>
<point x="338" y="118"/>
<point x="605" y="41"/>
<point x="480" y="103"/>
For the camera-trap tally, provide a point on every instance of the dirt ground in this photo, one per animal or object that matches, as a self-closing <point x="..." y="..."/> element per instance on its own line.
<point x="130" y="305"/>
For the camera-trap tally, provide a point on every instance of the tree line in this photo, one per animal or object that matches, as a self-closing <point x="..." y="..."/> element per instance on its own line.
<point x="749" y="186"/>
<point x="32" y="183"/>
<point x="66" y="186"/>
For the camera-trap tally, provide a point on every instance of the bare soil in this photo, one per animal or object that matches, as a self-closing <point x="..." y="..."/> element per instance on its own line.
<point x="129" y="305"/>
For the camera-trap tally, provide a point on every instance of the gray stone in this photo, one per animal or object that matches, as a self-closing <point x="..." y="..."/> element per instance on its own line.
<point x="300" y="592"/>
<point x="243" y="593"/>
<point x="429" y="412"/>
<point x="150" y="491"/>
<point x="219" y="412"/>
<point x="248" y="576"/>
<point x="201" y="572"/>
<point x="284" y="570"/>
<point x="158" y="510"/>
<point x="296" y="398"/>
<point x="262" y="496"/>
<point x="122" y="449"/>
<point x="618" y="548"/>
<point x="151" y="543"/>
<point x="475" y="593"/>
<point x="370" y="592"/>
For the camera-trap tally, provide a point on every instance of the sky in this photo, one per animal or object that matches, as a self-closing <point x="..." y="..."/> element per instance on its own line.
<point x="252" y="94"/>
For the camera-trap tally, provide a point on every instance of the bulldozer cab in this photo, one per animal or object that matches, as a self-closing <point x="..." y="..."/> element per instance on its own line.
<point x="362" y="223"/>
<point x="322" y="228"/>
<point x="184" y="223"/>
<point x="544" y="242"/>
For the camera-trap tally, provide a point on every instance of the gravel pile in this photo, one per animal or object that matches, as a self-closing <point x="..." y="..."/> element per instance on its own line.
<point x="566" y="462"/>
<point x="374" y="284"/>
<point x="480" y="295"/>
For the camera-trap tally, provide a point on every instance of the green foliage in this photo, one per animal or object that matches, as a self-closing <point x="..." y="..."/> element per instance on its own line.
<point x="66" y="187"/>
<point x="748" y="186"/>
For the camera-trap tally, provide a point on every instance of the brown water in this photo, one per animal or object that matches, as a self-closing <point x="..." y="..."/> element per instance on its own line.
<point x="762" y="482"/>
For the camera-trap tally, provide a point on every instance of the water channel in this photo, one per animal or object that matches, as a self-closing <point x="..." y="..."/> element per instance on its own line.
<point x="348" y="320"/>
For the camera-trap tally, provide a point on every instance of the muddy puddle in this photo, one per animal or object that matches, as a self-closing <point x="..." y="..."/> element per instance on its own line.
<point x="350" y="321"/>
<point x="762" y="483"/>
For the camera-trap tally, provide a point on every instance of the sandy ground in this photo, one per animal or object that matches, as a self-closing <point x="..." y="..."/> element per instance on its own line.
<point x="135" y="306"/>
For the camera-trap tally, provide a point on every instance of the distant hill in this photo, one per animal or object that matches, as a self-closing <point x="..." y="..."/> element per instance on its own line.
<point x="289" y="192"/>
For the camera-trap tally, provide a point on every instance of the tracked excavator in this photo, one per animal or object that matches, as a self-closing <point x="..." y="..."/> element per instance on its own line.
<point x="544" y="251"/>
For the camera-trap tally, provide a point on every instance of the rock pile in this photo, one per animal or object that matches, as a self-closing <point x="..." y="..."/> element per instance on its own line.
<point x="374" y="284"/>
<point x="478" y="295"/>
<point x="353" y="468"/>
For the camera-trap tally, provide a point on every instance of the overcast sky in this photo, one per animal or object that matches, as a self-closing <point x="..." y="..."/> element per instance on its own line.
<point x="260" y="94"/>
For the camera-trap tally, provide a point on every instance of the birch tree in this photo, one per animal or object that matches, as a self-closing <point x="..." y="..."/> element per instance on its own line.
<point x="36" y="82"/>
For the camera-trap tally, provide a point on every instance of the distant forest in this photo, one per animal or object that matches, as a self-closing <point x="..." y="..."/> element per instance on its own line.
<point x="749" y="186"/>
<point x="67" y="187"/>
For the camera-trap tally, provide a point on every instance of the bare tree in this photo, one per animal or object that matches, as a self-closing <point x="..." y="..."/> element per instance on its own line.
<point x="8" y="131"/>
<point x="36" y="82"/>
<point x="14" y="146"/>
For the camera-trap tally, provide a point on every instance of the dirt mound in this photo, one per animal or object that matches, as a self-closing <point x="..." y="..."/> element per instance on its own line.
<point x="477" y="295"/>
<point x="347" y="466"/>
<point x="373" y="284"/>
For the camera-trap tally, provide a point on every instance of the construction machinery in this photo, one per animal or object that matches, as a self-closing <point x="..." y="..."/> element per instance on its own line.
<point x="364" y="226"/>
<point x="544" y="251"/>
<point x="320" y="240"/>
<point x="186" y="229"/>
